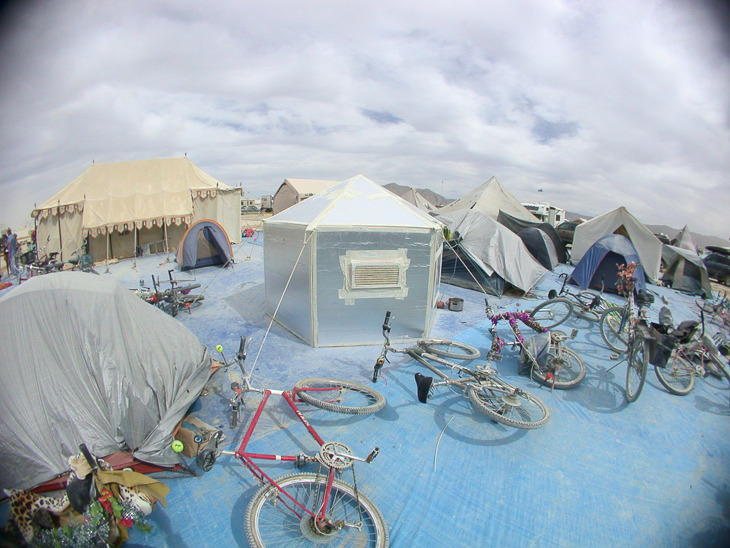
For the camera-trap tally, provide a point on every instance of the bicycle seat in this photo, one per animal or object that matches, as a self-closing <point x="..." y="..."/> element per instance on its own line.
<point x="423" y="386"/>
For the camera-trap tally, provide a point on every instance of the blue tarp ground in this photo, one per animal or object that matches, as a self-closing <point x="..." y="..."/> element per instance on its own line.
<point x="600" y="473"/>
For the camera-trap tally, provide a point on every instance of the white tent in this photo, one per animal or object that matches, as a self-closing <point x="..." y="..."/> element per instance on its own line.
<point x="493" y="248"/>
<point x="87" y="361"/>
<point x="123" y="205"/>
<point x="293" y="191"/>
<point x="491" y="198"/>
<point x="620" y="221"/>
<point x="335" y="263"/>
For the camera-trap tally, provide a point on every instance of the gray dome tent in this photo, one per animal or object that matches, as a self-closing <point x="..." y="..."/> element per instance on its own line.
<point x="540" y="246"/>
<point x="205" y="243"/>
<point x="686" y="272"/>
<point x="86" y="361"/>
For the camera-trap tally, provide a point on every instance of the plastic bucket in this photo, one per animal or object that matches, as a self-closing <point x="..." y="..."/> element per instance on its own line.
<point x="456" y="304"/>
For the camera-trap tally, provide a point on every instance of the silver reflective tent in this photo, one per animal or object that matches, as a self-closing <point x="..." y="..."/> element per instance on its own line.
<point x="336" y="262"/>
<point x="84" y="360"/>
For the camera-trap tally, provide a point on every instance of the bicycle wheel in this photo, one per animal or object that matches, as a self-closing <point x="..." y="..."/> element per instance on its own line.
<point x="450" y="349"/>
<point x="677" y="376"/>
<point x="614" y="326"/>
<point x="566" y="366"/>
<point x="272" y="519"/>
<point x="552" y="312"/>
<point x="636" y="369"/>
<point x="346" y="397"/>
<point x="707" y="308"/>
<point x="508" y="405"/>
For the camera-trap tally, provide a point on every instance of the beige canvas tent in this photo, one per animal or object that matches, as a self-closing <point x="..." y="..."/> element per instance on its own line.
<point x="491" y="198"/>
<point x="620" y="221"/>
<point x="412" y="196"/>
<point x="123" y="205"/>
<point x="293" y="191"/>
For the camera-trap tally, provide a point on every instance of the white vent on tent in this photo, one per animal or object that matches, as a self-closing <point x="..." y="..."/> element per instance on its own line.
<point x="374" y="274"/>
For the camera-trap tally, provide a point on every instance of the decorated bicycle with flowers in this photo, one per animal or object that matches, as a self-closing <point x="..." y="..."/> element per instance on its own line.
<point x="625" y="330"/>
<point x="545" y="356"/>
<point x="487" y="392"/>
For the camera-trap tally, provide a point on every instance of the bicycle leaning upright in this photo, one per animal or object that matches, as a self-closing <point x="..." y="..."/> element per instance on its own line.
<point x="306" y="509"/>
<point x="486" y="391"/>
<point x="625" y="331"/>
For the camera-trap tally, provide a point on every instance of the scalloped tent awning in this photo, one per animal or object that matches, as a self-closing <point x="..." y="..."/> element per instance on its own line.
<point x="119" y="197"/>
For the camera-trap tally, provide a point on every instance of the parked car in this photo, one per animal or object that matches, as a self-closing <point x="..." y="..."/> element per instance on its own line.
<point x="566" y="231"/>
<point x="718" y="267"/>
<point x="250" y="209"/>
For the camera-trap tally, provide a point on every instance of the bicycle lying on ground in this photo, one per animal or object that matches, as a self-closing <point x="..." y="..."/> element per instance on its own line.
<point x="587" y="304"/>
<point x="544" y="355"/>
<point x="717" y="310"/>
<point x="304" y="509"/>
<point x="171" y="300"/>
<point x="486" y="391"/>
<point x="627" y="332"/>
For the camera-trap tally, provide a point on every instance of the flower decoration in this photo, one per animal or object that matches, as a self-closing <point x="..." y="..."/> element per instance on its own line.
<point x="512" y="318"/>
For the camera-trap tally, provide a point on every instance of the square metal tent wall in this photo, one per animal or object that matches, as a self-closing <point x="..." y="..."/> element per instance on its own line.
<point x="336" y="262"/>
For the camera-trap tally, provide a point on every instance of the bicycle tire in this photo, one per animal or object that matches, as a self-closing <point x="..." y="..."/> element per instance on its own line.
<point x="638" y="363"/>
<point x="722" y="368"/>
<point x="576" y="369"/>
<point x="270" y="521"/>
<point x="191" y="298"/>
<point x="677" y="376"/>
<point x="490" y="400"/>
<point x="552" y="312"/>
<point x="614" y="327"/>
<point x="444" y="348"/>
<point x="351" y="398"/>
<point x="706" y="307"/>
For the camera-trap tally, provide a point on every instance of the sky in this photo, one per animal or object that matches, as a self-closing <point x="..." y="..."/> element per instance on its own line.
<point x="586" y="104"/>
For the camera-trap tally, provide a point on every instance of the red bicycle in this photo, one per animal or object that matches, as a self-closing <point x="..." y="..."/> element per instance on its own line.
<point x="304" y="509"/>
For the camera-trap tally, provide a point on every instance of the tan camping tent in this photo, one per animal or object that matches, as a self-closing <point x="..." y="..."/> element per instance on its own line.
<point x="147" y="203"/>
<point x="491" y="198"/>
<point x="293" y="191"/>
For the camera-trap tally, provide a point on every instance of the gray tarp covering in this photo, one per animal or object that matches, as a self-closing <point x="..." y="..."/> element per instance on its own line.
<point x="86" y="361"/>
<point x="494" y="248"/>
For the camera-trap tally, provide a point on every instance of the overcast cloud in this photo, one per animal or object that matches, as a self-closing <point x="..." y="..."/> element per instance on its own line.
<point x="599" y="103"/>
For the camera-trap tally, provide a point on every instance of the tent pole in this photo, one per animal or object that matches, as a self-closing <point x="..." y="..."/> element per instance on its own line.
<point x="167" y="244"/>
<point x="108" y="243"/>
<point x="60" y="238"/>
<point x="135" y="247"/>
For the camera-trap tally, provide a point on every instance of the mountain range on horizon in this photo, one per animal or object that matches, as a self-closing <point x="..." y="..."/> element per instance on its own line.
<point x="702" y="240"/>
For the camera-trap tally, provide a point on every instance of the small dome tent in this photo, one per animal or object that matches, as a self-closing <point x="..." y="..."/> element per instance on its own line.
<point x="336" y="262"/>
<point x="205" y="243"/>
<point x="87" y="361"/>
<point x="686" y="272"/>
<point x="540" y="246"/>
<point x="598" y="269"/>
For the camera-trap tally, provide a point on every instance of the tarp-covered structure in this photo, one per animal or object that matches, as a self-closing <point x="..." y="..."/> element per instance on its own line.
<point x="517" y="225"/>
<point x="485" y="249"/>
<point x="125" y="207"/>
<point x="335" y="263"/>
<point x="205" y="243"/>
<point x="489" y="199"/>
<point x="598" y="268"/>
<point x="685" y="271"/>
<point x="620" y="221"/>
<point x="87" y="361"/>
<point x="293" y="191"/>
